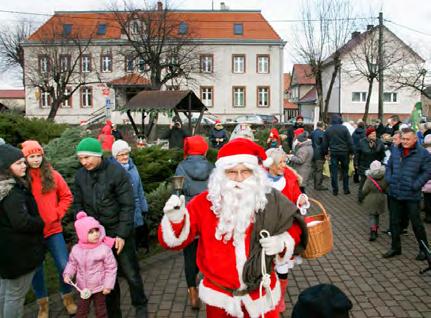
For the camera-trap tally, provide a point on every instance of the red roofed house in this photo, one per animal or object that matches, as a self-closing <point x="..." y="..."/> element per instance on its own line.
<point x="240" y="64"/>
<point x="12" y="99"/>
<point x="303" y="92"/>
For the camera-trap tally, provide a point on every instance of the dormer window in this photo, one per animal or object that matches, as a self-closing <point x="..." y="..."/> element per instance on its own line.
<point x="238" y="29"/>
<point x="135" y="27"/>
<point x="67" y="29"/>
<point x="182" y="28"/>
<point x="101" y="29"/>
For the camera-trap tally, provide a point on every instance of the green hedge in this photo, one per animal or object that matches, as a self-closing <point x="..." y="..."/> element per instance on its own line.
<point x="15" y="128"/>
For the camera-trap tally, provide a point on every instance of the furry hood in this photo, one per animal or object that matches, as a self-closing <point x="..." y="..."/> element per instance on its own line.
<point x="376" y="174"/>
<point x="5" y="187"/>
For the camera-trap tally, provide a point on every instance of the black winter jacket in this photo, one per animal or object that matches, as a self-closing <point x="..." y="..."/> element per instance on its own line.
<point x="358" y="134"/>
<point x="366" y="155"/>
<point x="218" y="134"/>
<point x="22" y="247"/>
<point x="106" y="194"/>
<point x="317" y="140"/>
<point x="196" y="170"/>
<point x="337" y="138"/>
<point x="176" y="137"/>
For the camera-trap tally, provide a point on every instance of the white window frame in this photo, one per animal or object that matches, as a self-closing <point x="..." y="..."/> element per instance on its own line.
<point x="86" y="97"/>
<point x="64" y="63"/>
<point x="44" y="99"/>
<point x="85" y="63"/>
<point x="393" y="97"/>
<point x="362" y="97"/>
<point x="263" y="64"/>
<point x="44" y="64"/>
<point x="207" y="96"/>
<point x="207" y="63"/>
<point x="238" y="93"/>
<point x="66" y="104"/>
<point x="238" y="64"/>
<point x="263" y="98"/>
<point x="106" y="63"/>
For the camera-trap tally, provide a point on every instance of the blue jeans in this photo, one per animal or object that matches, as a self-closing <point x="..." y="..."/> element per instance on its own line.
<point x="343" y="159"/>
<point x="58" y="249"/>
<point x="12" y="295"/>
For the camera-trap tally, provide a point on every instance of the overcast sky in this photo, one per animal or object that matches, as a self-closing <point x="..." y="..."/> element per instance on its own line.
<point x="412" y="16"/>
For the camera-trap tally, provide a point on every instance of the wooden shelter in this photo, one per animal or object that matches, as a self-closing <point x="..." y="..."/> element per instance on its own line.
<point x="150" y="102"/>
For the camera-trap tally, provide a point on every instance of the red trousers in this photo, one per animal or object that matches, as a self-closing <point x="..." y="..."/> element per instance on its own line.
<point x="99" y="306"/>
<point x="215" y="312"/>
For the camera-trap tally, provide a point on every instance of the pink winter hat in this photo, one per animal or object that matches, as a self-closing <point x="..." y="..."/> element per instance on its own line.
<point x="84" y="224"/>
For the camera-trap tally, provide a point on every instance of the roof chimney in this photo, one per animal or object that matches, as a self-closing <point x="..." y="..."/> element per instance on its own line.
<point x="223" y="6"/>
<point x="355" y="34"/>
<point x="159" y="6"/>
<point x="369" y="27"/>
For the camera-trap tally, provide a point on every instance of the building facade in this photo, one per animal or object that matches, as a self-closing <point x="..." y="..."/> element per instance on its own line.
<point x="240" y="67"/>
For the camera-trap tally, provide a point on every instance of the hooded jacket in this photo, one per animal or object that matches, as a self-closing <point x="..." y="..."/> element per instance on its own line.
<point x="317" y="139"/>
<point x="337" y="138"/>
<point x="302" y="160"/>
<point x="106" y="138"/>
<point x="21" y="231"/>
<point x="106" y="194"/>
<point x="374" y="201"/>
<point x="52" y="205"/>
<point x="93" y="264"/>
<point x="196" y="171"/>
<point x="357" y="136"/>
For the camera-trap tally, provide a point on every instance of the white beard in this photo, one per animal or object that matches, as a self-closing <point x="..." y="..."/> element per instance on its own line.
<point x="238" y="206"/>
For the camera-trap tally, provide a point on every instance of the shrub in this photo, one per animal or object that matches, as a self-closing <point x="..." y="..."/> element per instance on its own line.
<point x="156" y="201"/>
<point x="15" y="128"/>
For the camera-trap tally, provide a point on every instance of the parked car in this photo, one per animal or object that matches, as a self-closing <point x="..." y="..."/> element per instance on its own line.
<point x="206" y="119"/>
<point x="256" y="119"/>
<point x="307" y="120"/>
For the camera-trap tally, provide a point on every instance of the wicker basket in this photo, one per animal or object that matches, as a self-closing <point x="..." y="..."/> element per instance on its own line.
<point x="320" y="240"/>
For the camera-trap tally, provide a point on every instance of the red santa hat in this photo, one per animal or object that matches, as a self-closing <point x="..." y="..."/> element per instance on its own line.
<point x="274" y="133"/>
<point x="195" y="145"/>
<point x="298" y="131"/>
<point x="241" y="150"/>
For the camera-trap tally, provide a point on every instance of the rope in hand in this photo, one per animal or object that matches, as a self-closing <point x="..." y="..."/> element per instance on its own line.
<point x="266" y="278"/>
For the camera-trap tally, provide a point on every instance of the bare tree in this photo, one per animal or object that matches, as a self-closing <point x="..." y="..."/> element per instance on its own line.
<point x="326" y="27"/>
<point x="55" y="65"/>
<point x="11" y="50"/>
<point x="363" y="58"/>
<point x="413" y="75"/>
<point x="160" y="40"/>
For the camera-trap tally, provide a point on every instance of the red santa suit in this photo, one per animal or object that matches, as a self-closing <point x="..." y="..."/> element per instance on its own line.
<point x="288" y="184"/>
<point x="222" y="263"/>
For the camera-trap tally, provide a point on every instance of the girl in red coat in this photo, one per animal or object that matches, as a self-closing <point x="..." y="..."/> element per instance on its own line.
<point x="53" y="198"/>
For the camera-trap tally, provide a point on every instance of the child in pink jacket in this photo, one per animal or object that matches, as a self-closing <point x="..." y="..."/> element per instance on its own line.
<point x="93" y="264"/>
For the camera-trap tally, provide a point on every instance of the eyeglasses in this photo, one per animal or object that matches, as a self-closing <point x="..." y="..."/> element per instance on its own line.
<point x="124" y="154"/>
<point x="245" y="173"/>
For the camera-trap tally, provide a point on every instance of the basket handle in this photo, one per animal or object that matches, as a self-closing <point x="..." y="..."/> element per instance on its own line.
<point x="320" y="206"/>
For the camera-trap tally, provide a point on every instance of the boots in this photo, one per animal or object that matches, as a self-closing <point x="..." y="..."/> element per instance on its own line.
<point x="194" y="298"/>
<point x="69" y="304"/>
<point x="281" y="306"/>
<point x="373" y="233"/>
<point x="43" y="307"/>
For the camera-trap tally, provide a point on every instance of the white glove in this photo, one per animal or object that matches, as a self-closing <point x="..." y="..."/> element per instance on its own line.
<point x="273" y="245"/>
<point x="175" y="208"/>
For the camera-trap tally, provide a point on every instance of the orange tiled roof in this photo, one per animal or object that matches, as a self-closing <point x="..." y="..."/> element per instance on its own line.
<point x="201" y="25"/>
<point x="289" y="105"/>
<point x="303" y="74"/>
<point x="286" y="81"/>
<point x="12" y="93"/>
<point x="131" y="79"/>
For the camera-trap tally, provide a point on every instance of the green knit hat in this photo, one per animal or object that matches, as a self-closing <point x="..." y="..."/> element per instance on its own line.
<point x="89" y="147"/>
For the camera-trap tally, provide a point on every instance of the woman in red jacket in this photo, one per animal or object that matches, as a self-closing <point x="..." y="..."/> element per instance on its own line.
<point x="53" y="198"/>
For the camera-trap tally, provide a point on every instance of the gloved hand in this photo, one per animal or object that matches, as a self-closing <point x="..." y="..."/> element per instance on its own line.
<point x="273" y="245"/>
<point x="175" y="208"/>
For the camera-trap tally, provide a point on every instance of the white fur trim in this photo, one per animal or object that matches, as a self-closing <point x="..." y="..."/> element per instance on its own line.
<point x="279" y="184"/>
<point x="168" y="233"/>
<point x="241" y="258"/>
<point x="89" y="153"/>
<point x="268" y="162"/>
<point x="303" y="209"/>
<point x="236" y="159"/>
<point x="289" y="243"/>
<point x="232" y="304"/>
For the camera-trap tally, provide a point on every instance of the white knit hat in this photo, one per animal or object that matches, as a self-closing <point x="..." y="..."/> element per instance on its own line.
<point x="119" y="146"/>
<point x="375" y="165"/>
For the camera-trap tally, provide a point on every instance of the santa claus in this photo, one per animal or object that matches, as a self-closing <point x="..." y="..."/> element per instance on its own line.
<point x="287" y="181"/>
<point x="240" y="221"/>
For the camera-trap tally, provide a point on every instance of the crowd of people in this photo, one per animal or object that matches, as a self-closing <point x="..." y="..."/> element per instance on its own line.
<point x="240" y="222"/>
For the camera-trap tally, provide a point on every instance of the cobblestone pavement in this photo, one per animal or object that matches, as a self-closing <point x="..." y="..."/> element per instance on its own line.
<point x="377" y="287"/>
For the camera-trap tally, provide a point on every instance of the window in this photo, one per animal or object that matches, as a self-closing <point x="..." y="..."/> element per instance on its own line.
<point x="238" y="96"/>
<point x="135" y="27"/>
<point x="44" y="64"/>
<point x="238" y="63"/>
<point x="101" y="29"/>
<point x="68" y="102"/>
<point x="263" y="64"/>
<point x="182" y="28"/>
<point x="206" y="63"/>
<point x="359" y="96"/>
<point x="86" y="63"/>
<point x="45" y="100"/>
<point x="141" y="65"/>
<point x="106" y="64"/>
<point x="238" y="29"/>
<point x="67" y="29"/>
<point x="64" y="63"/>
<point x="294" y="93"/>
<point x="263" y="96"/>
<point x="86" y="97"/>
<point x="129" y="63"/>
<point x="390" y="97"/>
<point x="207" y="96"/>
